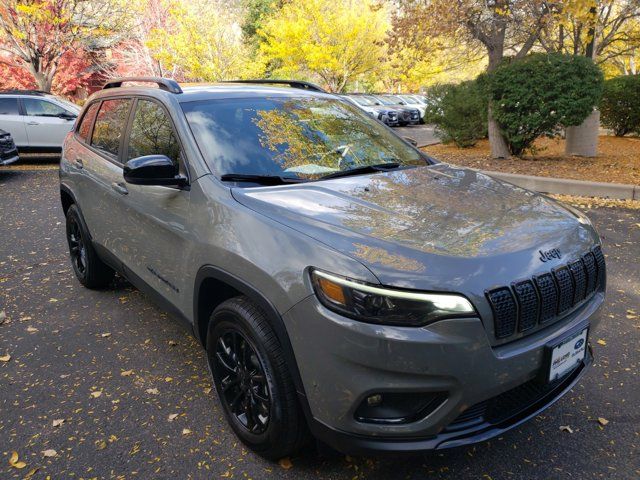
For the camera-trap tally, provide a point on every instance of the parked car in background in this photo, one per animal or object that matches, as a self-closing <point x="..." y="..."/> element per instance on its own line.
<point x="386" y="115"/>
<point x="37" y="121"/>
<point x="408" y="115"/>
<point x="8" y="150"/>
<point x="414" y="102"/>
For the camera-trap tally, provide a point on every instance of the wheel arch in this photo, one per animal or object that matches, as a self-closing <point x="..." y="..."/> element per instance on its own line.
<point x="213" y="286"/>
<point x="67" y="198"/>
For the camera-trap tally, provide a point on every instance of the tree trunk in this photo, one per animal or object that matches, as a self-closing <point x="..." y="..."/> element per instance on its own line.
<point x="499" y="147"/>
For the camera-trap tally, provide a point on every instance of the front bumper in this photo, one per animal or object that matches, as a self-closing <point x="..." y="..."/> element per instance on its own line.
<point x="343" y="361"/>
<point x="9" y="159"/>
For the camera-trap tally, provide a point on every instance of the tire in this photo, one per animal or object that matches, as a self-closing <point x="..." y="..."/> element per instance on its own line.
<point x="252" y="380"/>
<point x="89" y="269"/>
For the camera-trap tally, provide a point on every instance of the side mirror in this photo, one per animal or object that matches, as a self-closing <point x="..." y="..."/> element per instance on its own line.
<point x="68" y="116"/>
<point x="153" y="170"/>
<point x="410" y="141"/>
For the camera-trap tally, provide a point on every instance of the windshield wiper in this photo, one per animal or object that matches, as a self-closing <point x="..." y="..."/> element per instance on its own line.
<point x="261" y="179"/>
<point x="379" y="167"/>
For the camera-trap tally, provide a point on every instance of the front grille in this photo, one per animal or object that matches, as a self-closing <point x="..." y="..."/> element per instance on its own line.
<point x="546" y="297"/>
<point x="6" y="143"/>
<point x="512" y="402"/>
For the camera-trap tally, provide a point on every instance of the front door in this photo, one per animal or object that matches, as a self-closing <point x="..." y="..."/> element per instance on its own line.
<point x="46" y="122"/>
<point x="157" y="217"/>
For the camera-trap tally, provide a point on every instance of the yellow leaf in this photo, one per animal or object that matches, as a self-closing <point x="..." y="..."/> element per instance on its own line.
<point x="105" y="335"/>
<point x="126" y="373"/>
<point x="601" y="342"/>
<point x="285" y="463"/>
<point x="173" y="416"/>
<point x="58" y="422"/>
<point x="152" y="391"/>
<point x="32" y="329"/>
<point x="50" y="453"/>
<point x="168" y="379"/>
<point x="96" y="394"/>
<point x="186" y="431"/>
<point x="31" y="473"/>
<point x="602" y="421"/>
<point x="14" y="458"/>
<point x="5" y="358"/>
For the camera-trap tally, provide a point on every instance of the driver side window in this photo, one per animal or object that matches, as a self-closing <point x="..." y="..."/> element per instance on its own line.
<point x="41" y="108"/>
<point x="152" y="133"/>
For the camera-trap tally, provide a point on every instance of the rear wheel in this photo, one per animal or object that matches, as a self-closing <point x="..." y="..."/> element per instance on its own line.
<point x="89" y="269"/>
<point x="253" y="382"/>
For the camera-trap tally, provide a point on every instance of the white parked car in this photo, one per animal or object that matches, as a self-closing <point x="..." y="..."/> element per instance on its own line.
<point x="415" y="102"/>
<point x="37" y="121"/>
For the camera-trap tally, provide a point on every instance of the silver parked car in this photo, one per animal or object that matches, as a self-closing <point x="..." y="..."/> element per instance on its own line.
<point x="386" y="115"/>
<point x="342" y="282"/>
<point x="37" y="121"/>
<point x="414" y="102"/>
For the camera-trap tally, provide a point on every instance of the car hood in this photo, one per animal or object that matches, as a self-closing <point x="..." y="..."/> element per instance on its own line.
<point x="429" y="227"/>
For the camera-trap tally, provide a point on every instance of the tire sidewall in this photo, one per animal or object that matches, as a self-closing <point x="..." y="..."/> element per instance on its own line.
<point x="226" y="319"/>
<point x="73" y="215"/>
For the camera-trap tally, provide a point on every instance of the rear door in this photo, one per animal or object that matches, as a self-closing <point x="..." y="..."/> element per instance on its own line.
<point x="157" y="217"/>
<point x="47" y="123"/>
<point x="11" y="121"/>
<point x="102" y="202"/>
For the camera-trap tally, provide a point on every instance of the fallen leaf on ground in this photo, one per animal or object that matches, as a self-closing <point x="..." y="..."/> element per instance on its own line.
<point x="602" y="421"/>
<point x="50" y="453"/>
<point x="207" y="391"/>
<point x="126" y="373"/>
<point x="173" y="416"/>
<point x="285" y="463"/>
<point x="566" y="428"/>
<point x="186" y="431"/>
<point x="168" y="379"/>
<point x="152" y="391"/>
<point x="173" y="343"/>
<point x="5" y="358"/>
<point x="32" y="329"/>
<point x="31" y="473"/>
<point x="601" y="342"/>
<point x="96" y="394"/>
<point x="15" y="462"/>
<point x="58" y="422"/>
<point x="3" y="317"/>
<point x="105" y="335"/>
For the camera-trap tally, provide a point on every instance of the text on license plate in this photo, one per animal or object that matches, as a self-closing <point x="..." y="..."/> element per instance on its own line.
<point x="568" y="355"/>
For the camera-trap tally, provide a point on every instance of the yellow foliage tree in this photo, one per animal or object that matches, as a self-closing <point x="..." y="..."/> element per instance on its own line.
<point x="203" y="42"/>
<point x="334" y="41"/>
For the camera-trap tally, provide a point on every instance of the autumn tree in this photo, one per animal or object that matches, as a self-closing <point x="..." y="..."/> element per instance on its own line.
<point x="501" y="27"/>
<point x="36" y="34"/>
<point x="334" y="41"/>
<point x="202" y="41"/>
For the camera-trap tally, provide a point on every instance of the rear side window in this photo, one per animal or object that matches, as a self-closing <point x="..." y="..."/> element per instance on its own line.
<point x="110" y="124"/>
<point x="152" y="133"/>
<point x="9" y="106"/>
<point x="84" y="129"/>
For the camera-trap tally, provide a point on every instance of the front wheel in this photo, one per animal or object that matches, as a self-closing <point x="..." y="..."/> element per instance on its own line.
<point x="252" y="380"/>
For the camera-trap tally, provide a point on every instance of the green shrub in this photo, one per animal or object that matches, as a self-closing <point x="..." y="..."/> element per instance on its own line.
<point x="459" y="112"/>
<point x="540" y="94"/>
<point x="620" y="104"/>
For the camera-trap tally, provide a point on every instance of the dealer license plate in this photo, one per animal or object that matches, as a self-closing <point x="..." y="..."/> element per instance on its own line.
<point x="568" y="354"/>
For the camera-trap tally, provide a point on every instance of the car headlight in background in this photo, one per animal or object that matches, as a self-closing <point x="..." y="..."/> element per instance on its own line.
<point x="375" y="304"/>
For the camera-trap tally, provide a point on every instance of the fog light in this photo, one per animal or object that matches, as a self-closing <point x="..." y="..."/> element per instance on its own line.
<point x="398" y="407"/>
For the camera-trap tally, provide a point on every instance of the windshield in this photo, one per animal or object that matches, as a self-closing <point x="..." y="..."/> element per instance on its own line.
<point x="304" y="137"/>
<point x="71" y="106"/>
<point x="385" y="101"/>
<point x="360" y="100"/>
<point x="393" y="98"/>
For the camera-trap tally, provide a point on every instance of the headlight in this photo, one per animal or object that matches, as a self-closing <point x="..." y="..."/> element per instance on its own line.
<point x="373" y="304"/>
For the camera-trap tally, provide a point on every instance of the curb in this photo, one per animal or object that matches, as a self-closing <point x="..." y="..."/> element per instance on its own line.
<point x="565" y="186"/>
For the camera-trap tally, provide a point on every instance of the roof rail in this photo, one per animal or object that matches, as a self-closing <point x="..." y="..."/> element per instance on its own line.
<point x="292" y="83"/>
<point x="165" y="84"/>
<point x="17" y="91"/>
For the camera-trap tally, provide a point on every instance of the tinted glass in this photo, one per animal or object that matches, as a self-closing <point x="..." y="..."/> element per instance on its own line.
<point x="303" y="137"/>
<point x="34" y="107"/>
<point x="84" y="130"/>
<point x="363" y="101"/>
<point x="152" y="133"/>
<point x="9" y="106"/>
<point x="110" y="124"/>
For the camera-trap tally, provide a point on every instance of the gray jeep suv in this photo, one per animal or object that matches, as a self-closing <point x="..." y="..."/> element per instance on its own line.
<point x="342" y="283"/>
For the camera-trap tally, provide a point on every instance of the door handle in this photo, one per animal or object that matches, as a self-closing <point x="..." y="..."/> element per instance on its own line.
<point x="33" y="123"/>
<point x="120" y="188"/>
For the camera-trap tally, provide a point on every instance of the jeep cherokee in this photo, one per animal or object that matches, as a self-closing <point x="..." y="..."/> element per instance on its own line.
<point x="342" y="282"/>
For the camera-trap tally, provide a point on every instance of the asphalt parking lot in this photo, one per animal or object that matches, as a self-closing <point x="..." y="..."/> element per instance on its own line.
<point x="120" y="390"/>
